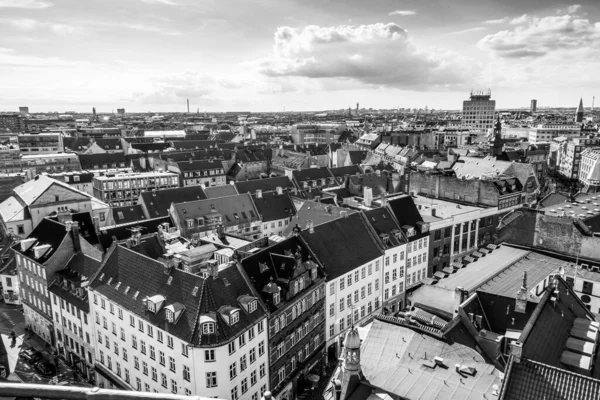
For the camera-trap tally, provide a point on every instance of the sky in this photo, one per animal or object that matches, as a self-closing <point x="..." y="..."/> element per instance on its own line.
<point x="295" y="55"/>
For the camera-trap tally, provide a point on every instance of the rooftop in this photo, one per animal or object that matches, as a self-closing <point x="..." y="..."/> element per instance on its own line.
<point x="443" y="209"/>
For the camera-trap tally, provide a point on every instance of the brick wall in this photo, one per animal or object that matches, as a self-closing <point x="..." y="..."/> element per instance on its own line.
<point x="472" y="191"/>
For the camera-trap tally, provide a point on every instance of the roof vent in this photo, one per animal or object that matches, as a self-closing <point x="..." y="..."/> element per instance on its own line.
<point x="127" y="289"/>
<point x="101" y="277"/>
<point x="136" y="294"/>
<point x="118" y="285"/>
<point x="39" y="251"/>
<point x="464" y="370"/>
<point x="169" y="280"/>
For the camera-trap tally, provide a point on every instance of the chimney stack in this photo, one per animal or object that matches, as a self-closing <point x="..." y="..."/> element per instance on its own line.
<point x="344" y="214"/>
<point x="212" y="269"/>
<point x="221" y="232"/>
<point x="74" y="228"/>
<point x="258" y="193"/>
<point x="310" y="225"/>
<point x="279" y="190"/>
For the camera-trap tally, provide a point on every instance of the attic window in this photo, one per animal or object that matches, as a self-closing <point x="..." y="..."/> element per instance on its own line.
<point x="109" y="281"/>
<point x="234" y="317"/>
<point x="120" y="215"/>
<point x="136" y="294"/>
<point x="169" y="315"/>
<point x="244" y="215"/>
<point x="208" y="328"/>
<point x="276" y="298"/>
<point x="195" y="291"/>
<point x="151" y="306"/>
<point x="252" y="306"/>
<point x="226" y="282"/>
<point x="169" y="280"/>
<point x="183" y="210"/>
<point x="252" y="214"/>
<point x="118" y="285"/>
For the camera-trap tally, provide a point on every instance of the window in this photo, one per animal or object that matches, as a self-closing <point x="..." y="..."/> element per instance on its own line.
<point x="260" y="326"/>
<point x="134" y="341"/>
<point x="281" y="374"/>
<point x="145" y="368"/>
<point x="251" y="333"/>
<point x="235" y="317"/>
<point x="152" y="353"/>
<point x="154" y="374"/>
<point x="184" y="349"/>
<point x="143" y="347"/>
<point x="163" y="379"/>
<point x="350" y="280"/>
<point x="232" y="371"/>
<point x="211" y="379"/>
<point x="244" y="385"/>
<point x="136" y="362"/>
<point x="231" y="347"/>
<point x="244" y="363"/>
<point x="132" y="321"/>
<point x="261" y="348"/>
<point x="262" y="370"/>
<point x="234" y="393"/>
<point x="252" y="356"/>
<point x="141" y="325"/>
<point x="209" y="355"/>
<point x="342" y="284"/>
<point x="242" y="340"/>
<point x="173" y="386"/>
<point x="186" y="373"/>
<point x="253" y="378"/>
<point x="208" y="328"/>
<point x="587" y="287"/>
<point x="170" y="342"/>
<point x="159" y="336"/>
<point x="331" y="288"/>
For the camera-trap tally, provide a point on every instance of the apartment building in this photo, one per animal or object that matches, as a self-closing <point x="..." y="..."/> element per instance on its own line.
<point x="544" y="133"/>
<point x="73" y="323"/>
<point x="290" y="283"/>
<point x="589" y="170"/>
<point x="41" y="143"/>
<point x="353" y="262"/>
<point x="174" y="332"/>
<point x="200" y="172"/>
<point x="45" y="251"/>
<point x="123" y="189"/>
<point x="276" y="210"/>
<point x="569" y="155"/>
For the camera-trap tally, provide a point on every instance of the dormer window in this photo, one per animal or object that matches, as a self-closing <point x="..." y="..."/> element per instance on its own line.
<point x="252" y="306"/>
<point x="276" y="298"/>
<point x="208" y="328"/>
<point x="169" y="315"/>
<point x="151" y="306"/>
<point x="314" y="273"/>
<point x="235" y="317"/>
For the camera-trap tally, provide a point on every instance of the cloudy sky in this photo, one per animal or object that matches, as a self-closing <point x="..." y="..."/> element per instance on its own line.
<point x="267" y="55"/>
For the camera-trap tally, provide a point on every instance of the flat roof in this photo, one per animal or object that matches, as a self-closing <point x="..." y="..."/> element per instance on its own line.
<point x="443" y="209"/>
<point x="134" y="175"/>
<point x="584" y="206"/>
<point x="475" y="274"/>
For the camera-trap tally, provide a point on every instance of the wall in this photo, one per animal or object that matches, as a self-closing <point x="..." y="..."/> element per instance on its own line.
<point x="472" y="191"/>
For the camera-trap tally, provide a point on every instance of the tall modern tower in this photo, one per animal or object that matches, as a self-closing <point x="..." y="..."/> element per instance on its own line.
<point x="533" y="106"/>
<point x="579" y="112"/>
<point x="478" y="111"/>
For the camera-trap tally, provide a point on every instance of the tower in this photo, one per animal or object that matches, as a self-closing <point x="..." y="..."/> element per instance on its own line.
<point x="497" y="142"/>
<point x="188" y="104"/>
<point x="533" y="106"/>
<point x="351" y="372"/>
<point x="357" y="108"/>
<point x="579" y="112"/>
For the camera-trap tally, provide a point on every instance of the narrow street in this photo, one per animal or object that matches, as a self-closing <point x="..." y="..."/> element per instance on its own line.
<point x="11" y="319"/>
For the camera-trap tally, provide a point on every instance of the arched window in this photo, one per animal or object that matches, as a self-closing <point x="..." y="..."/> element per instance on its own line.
<point x="282" y="321"/>
<point x="294" y="313"/>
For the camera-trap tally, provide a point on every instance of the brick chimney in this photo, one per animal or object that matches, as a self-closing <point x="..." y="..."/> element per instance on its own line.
<point x="73" y="227"/>
<point x="221" y="232"/>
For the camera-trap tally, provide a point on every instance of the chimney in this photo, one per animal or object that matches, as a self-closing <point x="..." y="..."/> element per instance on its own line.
<point x="212" y="268"/>
<point x="279" y="190"/>
<point x="136" y="235"/>
<point x="221" y="232"/>
<point x="458" y="298"/>
<point x="344" y="214"/>
<point x="75" y="235"/>
<point x="433" y="212"/>
<point x="383" y="200"/>
<point x="258" y="193"/>
<point x="377" y="172"/>
<point x="310" y="226"/>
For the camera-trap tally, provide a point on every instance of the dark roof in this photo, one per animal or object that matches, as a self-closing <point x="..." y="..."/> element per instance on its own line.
<point x="150" y="147"/>
<point x="343" y="171"/>
<point x="276" y="265"/>
<point x="47" y="232"/>
<point x="108" y="235"/>
<point x="317" y="212"/>
<point x="128" y="214"/>
<point x="343" y="244"/>
<point x="87" y="229"/>
<point x="96" y="161"/>
<point x="357" y="156"/>
<point x="109" y="143"/>
<point x="80" y="268"/>
<point x="193" y="144"/>
<point x="254" y="155"/>
<point x="220" y="191"/>
<point x="199" y="165"/>
<point x="157" y="202"/>
<point x="311" y="174"/>
<point x="272" y="206"/>
<point x="267" y="184"/>
<point x="405" y="211"/>
<point x="385" y="226"/>
<point x="199" y="296"/>
<point x="553" y="199"/>
<point x="379" y="183"/>
<point x="531" y="380"/>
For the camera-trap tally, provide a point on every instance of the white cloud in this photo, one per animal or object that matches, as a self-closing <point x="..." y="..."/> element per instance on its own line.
<point x="520" y="20"/>
<point x="496" y="21"/>
<point x="470" y="30"/>
<point x="165" y="2"/>
<point x="377" y="55"/>
<point x="8" y="57"/>
<point x="28" y="24"/>
<point x="572" y="9"/>
<point x="550" y="35"/>
<point x="150" y="28"/>
<point x="402" y="13"/>
<point x="30" y="4"/>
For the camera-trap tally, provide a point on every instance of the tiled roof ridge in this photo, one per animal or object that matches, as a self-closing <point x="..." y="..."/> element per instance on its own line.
<point x="534" y="316"/>
<point x="506" y="380"/>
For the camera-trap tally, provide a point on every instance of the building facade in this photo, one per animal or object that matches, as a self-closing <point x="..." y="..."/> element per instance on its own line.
<point x="124" y="189"/>
<point x="478" y="112"/>
<point x="41" y="143"/>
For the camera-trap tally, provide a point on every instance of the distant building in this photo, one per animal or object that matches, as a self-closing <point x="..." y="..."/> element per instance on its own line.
<point x="478" y="112"/>
<point x="316" y="133"/>
<point x="589" y="170"/>
<point x="41" y="143"/>
<point x="544" y="133"/>
<point x="121" y="111"/>
<point x="569" y="156"/>
<point x="23" y="110"/>
<point x="533" y="106"/>
<point x="11" y="122"/>
<point x="124" y="189"/>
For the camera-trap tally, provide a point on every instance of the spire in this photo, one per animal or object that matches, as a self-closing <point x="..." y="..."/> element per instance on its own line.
<point x="579" y="112"/>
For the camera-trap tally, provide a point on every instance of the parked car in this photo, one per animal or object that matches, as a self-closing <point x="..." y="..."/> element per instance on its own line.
<point x="45" y="368"/>
<point x="32" y="355"/>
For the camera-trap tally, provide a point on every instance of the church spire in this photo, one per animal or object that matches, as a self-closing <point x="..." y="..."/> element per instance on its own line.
<point x="579" y="112"/>
<point x="497" y="143"/>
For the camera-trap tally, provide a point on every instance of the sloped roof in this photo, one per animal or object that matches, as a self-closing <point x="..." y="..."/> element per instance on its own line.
<point x="405" y="211"/>
<point x="348" y="170"/>
<point x="12" y="209"/>
<point x="29" y="192"/>
<point x="158" y="202"/>
<point x="88" y="161"/>
<point x="213" y="192"/>
<point x="120" y="232"/>
<point x="228" y="206"/>
<point x="311" y="174"/>
<point x="384" y="224"/>
<point x="47" y="232"/>
<point x="267" y="184"/>
<point x="198" y="295"/>
<point x="532" y="380"/>
<point x="127" y="214"/>
<point x="343" y="244"/>
<point x="317" y="212"/>
<point x="272" y="206"/>
<point x="199" y="165"/>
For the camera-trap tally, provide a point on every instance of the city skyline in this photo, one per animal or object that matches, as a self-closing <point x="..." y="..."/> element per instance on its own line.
<point x="310" y="55"/>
